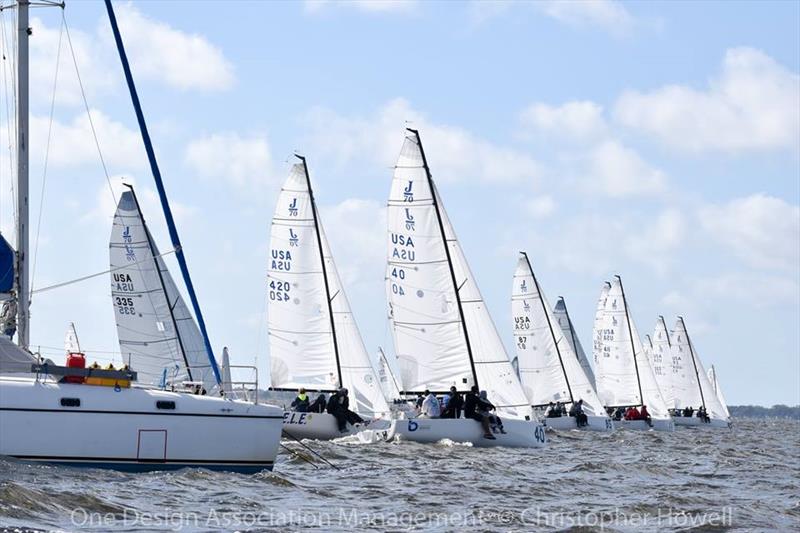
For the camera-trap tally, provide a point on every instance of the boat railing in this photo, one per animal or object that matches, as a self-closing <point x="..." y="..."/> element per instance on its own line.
<point x="246" y="390"/>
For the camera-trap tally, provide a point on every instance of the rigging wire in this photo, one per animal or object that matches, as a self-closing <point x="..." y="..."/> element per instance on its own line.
<point x="86" y="106"/>
<point x="96" y="274"/>
<point x="46" y="160"/>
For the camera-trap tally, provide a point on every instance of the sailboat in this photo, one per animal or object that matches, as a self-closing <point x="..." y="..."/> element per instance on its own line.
<point x="664" y="361"/>
<point x="79" y="416"/>
<point x="389" y="384"/>
<point x="562" y="316"/>
<point x="443" y="334"/>
<point x="691" y="385"/>
<point x="624" y="375"/>
<point x="712" y="377"/>
<point x="313" y="338"/>
<point x="548" y="367"/>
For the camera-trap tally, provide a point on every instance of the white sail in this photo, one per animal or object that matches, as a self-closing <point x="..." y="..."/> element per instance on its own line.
<point x="597" y="331"/>
<point x="692" y="386"/>
<point x="562" y="316"/>
<point x="442" y="338"/>
<point x="712" y="377"/>
<point x="156" y="331"/>
<point x="71" y="343"/>
<point x="225" y="370"/>
<point x="548" y="368"/>
<point x="624" y="374"/>
<point x="664" y="361"/>
<point x="314" y="340"/>
<point x="389" y="384"/>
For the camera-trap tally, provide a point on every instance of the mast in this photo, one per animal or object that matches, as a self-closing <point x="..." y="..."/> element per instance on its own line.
<point x="154" y="253"/>
<point x="328" y="298"/>
<point x="162" y="194"/>
<point x="569" y="323"/>
<point x="549" y="325"/>
<point x="23" y="289"/>
<point x="630" y="335"/>
<point x="694" y="361"/>
<point x="447" y="254"/>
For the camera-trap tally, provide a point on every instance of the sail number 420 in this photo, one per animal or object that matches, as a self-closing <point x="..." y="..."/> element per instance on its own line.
<point x="279" y="291"/>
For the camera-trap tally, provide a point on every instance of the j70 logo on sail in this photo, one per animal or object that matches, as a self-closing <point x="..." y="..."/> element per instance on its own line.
<point x="409" y="220"/>
<point x="408" y="196"/>
<point x="293" y="208"/>
<point x="293" y="240"/>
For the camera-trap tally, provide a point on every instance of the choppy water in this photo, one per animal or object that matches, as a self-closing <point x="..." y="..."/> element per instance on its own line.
<point x="744" y="479"/>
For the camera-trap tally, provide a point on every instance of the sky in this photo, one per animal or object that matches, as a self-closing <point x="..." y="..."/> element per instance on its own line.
<point x="655" y="140"/>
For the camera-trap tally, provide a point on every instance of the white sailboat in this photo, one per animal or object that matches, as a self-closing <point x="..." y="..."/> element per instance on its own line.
<point x="443" y="333"/>
<point x="562" y="316"/>
<point x="87" y="417"/>
<point x="664" y="362"/>
<point x="389" y="384"/>
<point x="313" y="338"/>
<point x="624" y="375"/>
<point x="548" y="368"/>
<point x="691" y="386"/>
<point x="712" y="377"/>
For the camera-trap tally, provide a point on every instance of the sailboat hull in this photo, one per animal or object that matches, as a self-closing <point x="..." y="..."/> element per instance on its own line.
<point x="565" y="423"/>
<point x="323" y="426"/>
<point x="518" y="433"/>
<point x="658" y="424"/>
<point x="134" y="429"/>
<point x="693" y="421"/>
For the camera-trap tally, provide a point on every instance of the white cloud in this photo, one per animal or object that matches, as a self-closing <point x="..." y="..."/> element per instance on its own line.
<point x="541" y="206"/>
<point x="572" y="120"/>
<point x="607" y="15"/>
<point x="752" y="105"/>
<point x="762" y="230"/>
<point x="243" y="161"/>
<point x="160" y="52"/>
<point x="657" y="242"/>
<point x="617" y="171"/>
<point x="358" y="247"/>
<point x="454" y="153"/>
<point x="370" y="6"/>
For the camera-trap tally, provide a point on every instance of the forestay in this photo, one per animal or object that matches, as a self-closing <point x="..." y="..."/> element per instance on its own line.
<point x="314" y="340"/>
<point x="692" y="386"/>
<point x="664" y="363"/>
<point x="624" y="374"/>
<point x="548" y="368"/>
<point x="443" y="333"/>
<point x="157" y="332"/>
<point x="562" y="316"/>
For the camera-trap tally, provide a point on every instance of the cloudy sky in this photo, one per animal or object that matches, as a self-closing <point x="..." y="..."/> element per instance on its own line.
<point x="660" y="141"/>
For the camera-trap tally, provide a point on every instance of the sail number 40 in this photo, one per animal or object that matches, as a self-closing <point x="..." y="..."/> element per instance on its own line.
<point x="538" y="434"/>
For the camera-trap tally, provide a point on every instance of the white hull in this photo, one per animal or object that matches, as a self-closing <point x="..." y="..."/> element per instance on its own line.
<point x="565" y="423"/>
<point x="693" y="421"/>
<point x="659" y="424"/>
<point x="126" y="429"/>
<point x="323" y="426"/>
<point x="519" y="433"/>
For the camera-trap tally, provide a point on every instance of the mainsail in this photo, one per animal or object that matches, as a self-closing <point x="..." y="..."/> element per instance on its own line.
<point x="624" y="374"/>
<point x="389" y="384"/>
<point x="691" y="385"/>
<point x="156" y="330"/>
<point x="443" y="333"/>
<point x="548" y="368"/>
<point x="597" y="333"/>
<point x="314" y="340"/>
<point x="562" y="316"/>
<point x="665" y="362"/>
<point x="712" y="377"/>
